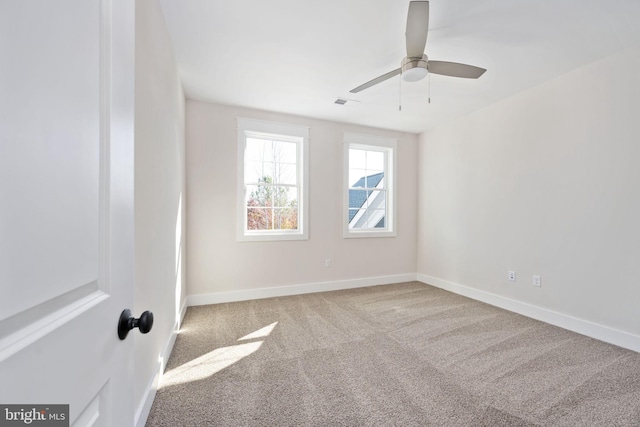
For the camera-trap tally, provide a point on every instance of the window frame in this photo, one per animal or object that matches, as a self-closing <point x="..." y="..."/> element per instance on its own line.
<point x="371" y="143"/>
<point x="252" y="128"/>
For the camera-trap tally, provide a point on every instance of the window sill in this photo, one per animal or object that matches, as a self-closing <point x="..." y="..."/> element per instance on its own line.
<point x="367" y="234"/>
<point x="281" y="237"/>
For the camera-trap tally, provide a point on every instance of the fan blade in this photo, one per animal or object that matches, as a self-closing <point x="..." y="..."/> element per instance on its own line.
<point x="417" y="28"/>
<point x="454" y="69"/>
<point x="376" y="81"/>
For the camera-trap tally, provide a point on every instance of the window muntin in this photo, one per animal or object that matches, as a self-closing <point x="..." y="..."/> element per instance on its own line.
<point x="272" y="194"/>
<point x="369" y="201"/>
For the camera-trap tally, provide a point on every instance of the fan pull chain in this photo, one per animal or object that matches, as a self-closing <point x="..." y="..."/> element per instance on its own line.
<point x="400" y="93"/>
<point x="429" y="88"/>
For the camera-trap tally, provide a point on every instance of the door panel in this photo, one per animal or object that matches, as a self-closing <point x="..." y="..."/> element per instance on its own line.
<point x="66" y="222"/>
<point x="50" y="158"/>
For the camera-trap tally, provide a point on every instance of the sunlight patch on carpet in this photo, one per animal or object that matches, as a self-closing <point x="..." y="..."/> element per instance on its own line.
<point x="260" y="333"/>
<point x="209" y="364"/>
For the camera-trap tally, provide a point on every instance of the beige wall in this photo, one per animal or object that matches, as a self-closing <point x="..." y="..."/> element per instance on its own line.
<point x="218" y="263"/>
<point x="546" y="182"/>
<point x="159" y="188"/>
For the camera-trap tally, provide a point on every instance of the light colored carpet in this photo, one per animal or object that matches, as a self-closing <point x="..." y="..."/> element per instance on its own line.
<point x="405" y="354"/>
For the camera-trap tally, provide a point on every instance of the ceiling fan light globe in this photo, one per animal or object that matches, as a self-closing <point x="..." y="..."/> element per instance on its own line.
<point x="414" y="74"/>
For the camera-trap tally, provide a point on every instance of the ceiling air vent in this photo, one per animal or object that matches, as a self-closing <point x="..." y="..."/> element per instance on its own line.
<point x="341" y="101"/>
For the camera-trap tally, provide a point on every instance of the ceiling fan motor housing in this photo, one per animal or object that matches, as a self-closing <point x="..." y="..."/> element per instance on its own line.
<point x="414" y="69"/>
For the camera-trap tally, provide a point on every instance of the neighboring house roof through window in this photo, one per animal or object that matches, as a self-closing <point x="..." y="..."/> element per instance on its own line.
<point x="357" y="198"/>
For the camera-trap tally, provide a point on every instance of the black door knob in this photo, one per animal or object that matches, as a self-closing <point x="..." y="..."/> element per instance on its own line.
<point x="127" y="322"/>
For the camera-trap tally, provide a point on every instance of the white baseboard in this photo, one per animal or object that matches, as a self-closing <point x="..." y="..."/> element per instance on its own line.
<point x="584" y="327"/>
<point x="147" y="401"/>
<point x="305" y="288"/>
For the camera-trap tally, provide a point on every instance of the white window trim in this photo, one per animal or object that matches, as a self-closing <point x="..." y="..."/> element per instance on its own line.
<point x="390" y="145"/>
<point x="252" y="126"/>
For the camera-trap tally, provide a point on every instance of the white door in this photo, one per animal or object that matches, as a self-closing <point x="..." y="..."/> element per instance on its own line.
<point x="66" y="205"/>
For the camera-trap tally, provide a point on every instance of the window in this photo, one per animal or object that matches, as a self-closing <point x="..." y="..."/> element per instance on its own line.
<point x="369" y="199"/>
<point x="272" y="181"/>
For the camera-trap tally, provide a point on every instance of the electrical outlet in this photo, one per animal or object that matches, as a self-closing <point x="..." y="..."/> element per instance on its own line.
<point x="512" y="276"/>
<point x="327" y="263"/>
<point x="537" y="281"/>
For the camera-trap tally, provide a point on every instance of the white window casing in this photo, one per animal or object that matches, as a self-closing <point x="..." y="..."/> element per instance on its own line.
<point x="380" y="201"/>
<point x="253" y="130"/>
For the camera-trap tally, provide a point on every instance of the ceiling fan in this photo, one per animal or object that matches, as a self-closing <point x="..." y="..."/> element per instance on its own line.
<point x="416" y="65"/>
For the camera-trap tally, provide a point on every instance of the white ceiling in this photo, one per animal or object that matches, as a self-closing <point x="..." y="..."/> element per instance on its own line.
<point x="299" y="56"/>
